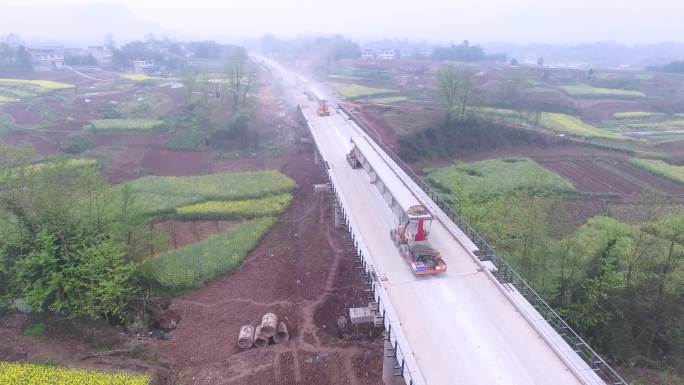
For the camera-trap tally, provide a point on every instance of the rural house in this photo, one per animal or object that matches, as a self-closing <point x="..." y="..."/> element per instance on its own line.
<point x="47" y="58"/>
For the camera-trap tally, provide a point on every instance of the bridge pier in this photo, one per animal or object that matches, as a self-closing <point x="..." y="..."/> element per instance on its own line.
<point x="337" y="214"/>
<point x="389" y="362"/>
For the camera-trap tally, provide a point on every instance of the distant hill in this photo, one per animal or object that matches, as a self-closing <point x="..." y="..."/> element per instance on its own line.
<point x="74" y="24"/>
<point x="597" y="55"/>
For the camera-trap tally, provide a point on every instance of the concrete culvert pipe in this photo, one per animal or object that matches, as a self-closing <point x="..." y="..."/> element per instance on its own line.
<point x="282" y="334"/>
<point x="246" y="338"/>
<point x="260" y="340"/>
<point x="269" y="323"/>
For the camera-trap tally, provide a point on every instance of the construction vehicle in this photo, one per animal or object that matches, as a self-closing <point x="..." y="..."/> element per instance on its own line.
<point x="323" y="108"/>
<point x="322" y="103"/>
<point x="411" y="237"/>
<point x="353" y="156"/>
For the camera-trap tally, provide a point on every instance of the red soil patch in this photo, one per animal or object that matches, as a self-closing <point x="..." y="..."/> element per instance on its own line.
<point x="175" y="162"/>
<point x="649" y="180"/>
<point x="122" y="165"/>
<point x="23" y="114"/>
<point x="675" y="150"/>
<point x="372" y="118"/>
<point x="248" y="164"/>
<point x="130" y="140"/>
<point x="611" y="177"/>
<point x="603" y="109"/>
<point x="42" y="146"/>
<point x="183" y="233"/>
<point x="587" y="176"/>
<point x="65" y="343"/>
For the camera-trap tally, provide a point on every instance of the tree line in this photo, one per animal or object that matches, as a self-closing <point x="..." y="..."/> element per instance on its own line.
<point x="14" y="57"/>
<point x="167" y="54"/>
<point x="219" y="111"/>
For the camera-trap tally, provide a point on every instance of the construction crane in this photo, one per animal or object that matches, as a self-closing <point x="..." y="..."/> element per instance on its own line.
<point x="411" y="235"/>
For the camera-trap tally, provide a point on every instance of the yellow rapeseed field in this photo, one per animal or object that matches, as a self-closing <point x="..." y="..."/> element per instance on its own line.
<point x="32" y="374"/>
<point x="240" y="209"/>
<point x="44" y="84"/>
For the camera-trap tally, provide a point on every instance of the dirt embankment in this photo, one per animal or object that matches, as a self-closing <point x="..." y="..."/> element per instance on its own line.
<point x="302" y="272"/>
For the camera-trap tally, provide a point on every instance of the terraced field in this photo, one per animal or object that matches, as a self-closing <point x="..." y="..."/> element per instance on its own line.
<point x="587" y="91"/>
<point x="617" y="178"/>
<point x="12" y="90"/>
<point x="357" y="91"/>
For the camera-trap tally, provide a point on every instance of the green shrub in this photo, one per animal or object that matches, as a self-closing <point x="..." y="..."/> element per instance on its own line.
<point x="6" y="124"/>
<point x="193" y="265"/>
<point x="77" y="143"/>
<point x="188" y="139"/>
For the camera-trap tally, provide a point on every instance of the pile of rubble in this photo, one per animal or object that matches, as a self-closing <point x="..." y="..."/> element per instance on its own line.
<point x="269" y="331"/>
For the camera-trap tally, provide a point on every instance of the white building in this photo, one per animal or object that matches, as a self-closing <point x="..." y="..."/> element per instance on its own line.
<point x="367" y="54"/>
<point x="387" y="54"/>
<point x="47" y="58"/>
<point x="142" y="66"/>
<point x="102" y="54"/>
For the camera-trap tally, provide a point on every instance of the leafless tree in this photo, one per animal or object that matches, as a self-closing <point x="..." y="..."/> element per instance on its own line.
<point x="457" y="89"/>
<point x="239" y="78"/>
<point x="448" y="83"/>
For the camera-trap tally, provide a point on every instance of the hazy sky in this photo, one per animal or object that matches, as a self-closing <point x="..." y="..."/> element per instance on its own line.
<point x="523" y="21"/>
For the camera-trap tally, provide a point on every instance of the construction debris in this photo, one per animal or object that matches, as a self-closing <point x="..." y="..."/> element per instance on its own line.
<point x="269" y="323"/>
<point x="260" y="340"/>
<point x="359" y="315"/>
<point x="246" y="338"/>
<point x="282" y="334"/>
<point x="269" y="330"/>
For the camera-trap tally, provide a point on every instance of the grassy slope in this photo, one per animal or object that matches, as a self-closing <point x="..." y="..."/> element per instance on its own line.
<point x="158" y="194"/>
<point x="498" y="177"/>
<point x="571" y="125"/>
<point x="356" y="91"/>
<point x="587" y="91"/>
<point x="194" y="265"/>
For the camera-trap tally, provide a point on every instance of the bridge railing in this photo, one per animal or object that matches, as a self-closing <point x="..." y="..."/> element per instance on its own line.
<point x="505" y="273"/>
